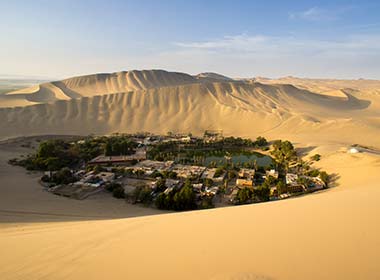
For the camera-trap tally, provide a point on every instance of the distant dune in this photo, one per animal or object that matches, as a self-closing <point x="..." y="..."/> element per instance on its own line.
<point x="97" y="84"/>
<point x="213" y="77"/>
<point x="161" y="101"/>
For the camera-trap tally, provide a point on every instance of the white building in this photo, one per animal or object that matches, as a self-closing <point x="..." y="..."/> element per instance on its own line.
<point x="291" y="178"/>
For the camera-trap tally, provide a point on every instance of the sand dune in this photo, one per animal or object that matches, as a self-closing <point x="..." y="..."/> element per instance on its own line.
<point x="259" y="109"/>
<point x="97" y="84"/>
<point x="329" y="235"/>
<point x="325" y="86"/>
<point x="212" y="77"/>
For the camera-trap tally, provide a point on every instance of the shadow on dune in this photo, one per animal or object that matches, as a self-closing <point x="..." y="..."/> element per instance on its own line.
<point x="334" y="180"/>
<point x="303" y="151"/>
<point x="9" y="217"/>
<point x="345" y="102"/>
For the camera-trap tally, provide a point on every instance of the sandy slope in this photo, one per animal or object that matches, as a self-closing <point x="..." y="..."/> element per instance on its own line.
<point x="328" y="86"/>
<point x="258" y="109"/>
<point x="97" y="84"/>
<point x="23" y="200"/>
<point x="329" y="235"/>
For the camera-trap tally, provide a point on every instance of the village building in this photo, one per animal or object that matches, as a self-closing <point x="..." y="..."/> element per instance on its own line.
<point x="139" y="155"/>
<point x="272" y="173"/>
<point x="106" y="176"/>
<point x="316" y="183"/>
<point x="291" y="179"/>
<point x="232" y="196"/>
<point x="244" y="183"/>
<point x="198" y="187"/>
<point x="247" y="173"/>
<point x="211" y="191"/>
<point x="296" y="188"/>
<point x="188" y="171"/>
<point x="150" y="166"/>
<point x="273" y="193"/>
<point x="171" y="185"/>
<point x="209" y="173"/>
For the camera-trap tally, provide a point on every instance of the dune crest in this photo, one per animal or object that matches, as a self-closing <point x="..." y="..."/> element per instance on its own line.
<point x="96" y="84"/>
<point x="237" y="107"/>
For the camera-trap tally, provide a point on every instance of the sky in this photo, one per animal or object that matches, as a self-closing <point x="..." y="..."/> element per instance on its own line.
<point x="317" y="39"/>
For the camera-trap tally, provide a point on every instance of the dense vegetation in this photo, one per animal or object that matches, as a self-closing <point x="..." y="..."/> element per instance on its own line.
<point x="181" y="200"/>
<point x="55" y="154"/>
<point x="116" y="189"/>
<point x="63" y="176"/>
<point x="116" y="145"/>
<point x="62" y="156"/>
<point x="196" y="152"/>
<point x="258" y="194"/>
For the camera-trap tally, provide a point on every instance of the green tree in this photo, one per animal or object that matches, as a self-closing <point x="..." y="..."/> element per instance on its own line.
<point x="118" y="192"/>
<point x="53" y="163"/>
<point x="284" y="153"/>
<point x="63" y="176"/>
<point x="206" y="203"/>
<point x="231" y="174"/>
<point x="208" y="182"/>
<point x="185" y="198"/>
<point x="281" y="187"/>
<point x="261" y="141"/>
<point x="313" y="173"/>
<point x="324" y="177"/>
<point x="144" y="195"/>
<point x="161" y="201"/>
<point x="110" y="187"/>
<point x="316" y="157"/>
<point x="108" y="149"/>
<point x="270" y="181"/>
<point x="244" y="196"/>
<point x="219" y="172"/>
<point x="262" y="193"/>
<point x="160" y="185"/>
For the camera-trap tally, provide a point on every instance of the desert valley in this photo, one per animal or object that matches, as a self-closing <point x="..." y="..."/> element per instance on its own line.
<point x="333" y="234"/>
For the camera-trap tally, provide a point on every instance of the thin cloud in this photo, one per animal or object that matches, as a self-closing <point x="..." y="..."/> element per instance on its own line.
<point x="313" y="14"/>
<point x="350" y="56"/>
<point x="283" y="44"/>
<point x="237" y="42"/>
<point x="320" y="14"/>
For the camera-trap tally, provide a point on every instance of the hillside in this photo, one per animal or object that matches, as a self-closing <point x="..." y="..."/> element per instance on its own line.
<point x="239" y="108"/>
<point x="91" y="85"/>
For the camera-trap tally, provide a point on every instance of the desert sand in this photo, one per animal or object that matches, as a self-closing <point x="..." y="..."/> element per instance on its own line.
<point x="332" y="234"/>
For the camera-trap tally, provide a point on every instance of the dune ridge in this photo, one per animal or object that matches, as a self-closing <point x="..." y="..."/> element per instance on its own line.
<point x="257" y="108"/>
<point x="96" y="84"/>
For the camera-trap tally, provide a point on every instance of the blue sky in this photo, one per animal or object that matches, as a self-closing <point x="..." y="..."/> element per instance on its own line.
<point x="62" y="38"/>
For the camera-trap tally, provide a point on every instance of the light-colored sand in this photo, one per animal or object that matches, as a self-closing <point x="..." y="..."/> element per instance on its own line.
<point x="97" y="84"/>
<point x="237" y="107"/>
<point x="329" y="235"/>
<point x="23" y="199"/>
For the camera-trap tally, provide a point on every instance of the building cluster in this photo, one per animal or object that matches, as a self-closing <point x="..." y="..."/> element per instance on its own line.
<point x="139" y="155"/>
<point x="206" y="182"/>
<point x="138" y="171"/>
<point x="88" y="183"/>
<point x="296" y="184"/>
